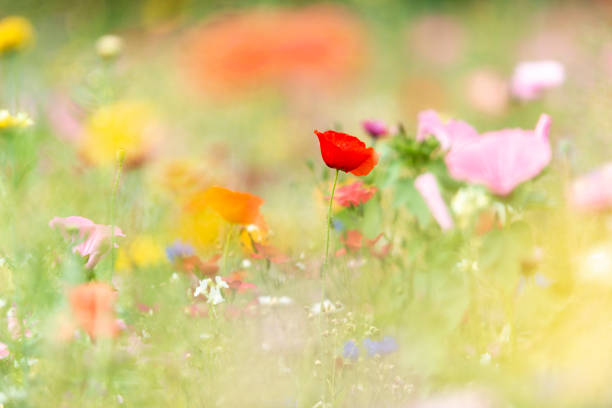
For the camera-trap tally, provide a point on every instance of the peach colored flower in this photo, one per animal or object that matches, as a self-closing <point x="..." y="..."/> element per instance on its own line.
<point x="92" y="307"/>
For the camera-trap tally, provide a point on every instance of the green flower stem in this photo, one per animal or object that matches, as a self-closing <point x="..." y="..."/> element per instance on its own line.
<point x="329" y="218"/>
<point x="121" y="160"/>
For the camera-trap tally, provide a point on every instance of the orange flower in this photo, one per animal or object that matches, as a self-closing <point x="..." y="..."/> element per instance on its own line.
<point x="314" y="45"/>
<point x="233" y="206"/>
<point x="92" y="307"/>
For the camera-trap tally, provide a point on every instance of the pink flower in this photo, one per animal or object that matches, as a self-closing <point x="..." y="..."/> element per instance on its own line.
<point x="427" y="186"/>
<point x="4" y="351"/>
<point x="503" y="159"/>
<point x="487" y="91"/>
<point x="354" y="194"/>
<point x="65" y="118"/>
<point x="13" y="326"/>
<point x="531" y="79"/>
<point x="593" y="191"/>
<point x="375" y="128"/>
<point x="96" y="238"/>
<point x="449" y="133"/>
<point x="438" y="39"/>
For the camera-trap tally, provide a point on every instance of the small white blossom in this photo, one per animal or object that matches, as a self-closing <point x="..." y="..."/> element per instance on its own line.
<point x="485" y="359"/>
<point x="211" y="290"/>
<point x="326" y="307"/>
<point x="202" y="288"/>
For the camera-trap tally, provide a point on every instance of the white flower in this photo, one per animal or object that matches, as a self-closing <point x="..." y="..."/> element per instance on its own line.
<point x="328" y="307"/>
<point x="109" y="46"/>
<point x="485" y="359"/>
<point x="246" y="263"/>
<point x="220" y="282"/>
<point x="214" y="295"/>
<point x="202" y="289"/>
<point x="273" y="300"/>
<point x="212" y="290"/>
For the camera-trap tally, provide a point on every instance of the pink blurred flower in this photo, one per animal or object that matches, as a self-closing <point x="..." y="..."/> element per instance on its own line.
<point x="531" y="79"/>
<point x="354" y="194"/>
<point x="14" y="325"/>
<point x="4" y="351"/>
<point x="96" y="238"/>
<point x="438" y="39"/>
<point x="593" y="191"/>
<point x="448" y="133"/>
<point x="375" y="128"/>
<point x="65" y="118"/>
<point x="427" y="186"/>
<point x="487" y="91"/>
<point x="503" y="159"/>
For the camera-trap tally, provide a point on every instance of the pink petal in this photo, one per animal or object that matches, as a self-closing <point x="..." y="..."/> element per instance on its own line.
<point x="96" y="237"/>
<point x="427" y="186"/>
<point x="531" y="79"/>
<point x="593" y="191"/>
<point x="501" y="160"/>
<point x="4" y="351"/>
<point x="450" y="133"/>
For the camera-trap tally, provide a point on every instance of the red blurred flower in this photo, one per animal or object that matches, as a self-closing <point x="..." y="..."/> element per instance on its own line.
<point x="193" y="263"/>
<point x="270" y="253"/>
<point x="92" y="307"/>
<point x="344" y="152"/>
<point x="354" y="241"/>
<point x="236" y="282"/>
<point x="319" y="45"/>
<point x="354" y="194"/>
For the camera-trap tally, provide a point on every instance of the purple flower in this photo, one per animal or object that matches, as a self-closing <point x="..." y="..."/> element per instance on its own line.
<point x="385" y="346"/>
<point x="351" y="350"/>
<point x="179" y="249"/>
<point x="375" y="128"/>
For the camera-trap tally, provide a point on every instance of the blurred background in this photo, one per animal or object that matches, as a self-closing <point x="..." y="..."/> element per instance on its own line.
<point x="196" y="93"/>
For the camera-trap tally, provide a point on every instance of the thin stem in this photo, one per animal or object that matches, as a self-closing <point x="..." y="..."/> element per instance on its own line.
<point x="226" y="248"/>
<point x="121" y="159"/>
<point x="329" y="218"/>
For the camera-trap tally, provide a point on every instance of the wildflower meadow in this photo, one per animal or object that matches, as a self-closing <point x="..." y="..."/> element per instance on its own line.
<point x="289" y="204"/>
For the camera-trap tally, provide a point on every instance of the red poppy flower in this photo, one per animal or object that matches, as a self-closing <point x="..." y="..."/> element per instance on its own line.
<point x="344" y="152"/>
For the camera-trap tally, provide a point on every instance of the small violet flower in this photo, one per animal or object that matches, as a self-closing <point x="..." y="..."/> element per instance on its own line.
<point x="179" y="249"/>
<point x="382" y="347"/>
<point x="351" y="350"/>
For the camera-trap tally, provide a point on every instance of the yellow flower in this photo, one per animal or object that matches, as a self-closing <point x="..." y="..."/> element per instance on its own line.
<point x="125" y="125"/>
<point x="142" y="252"/>
<point x="180" y="177"/>
<point x="20" y="120"/>
<point x="16" y="33"/>
<point x="200" y="228"/>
